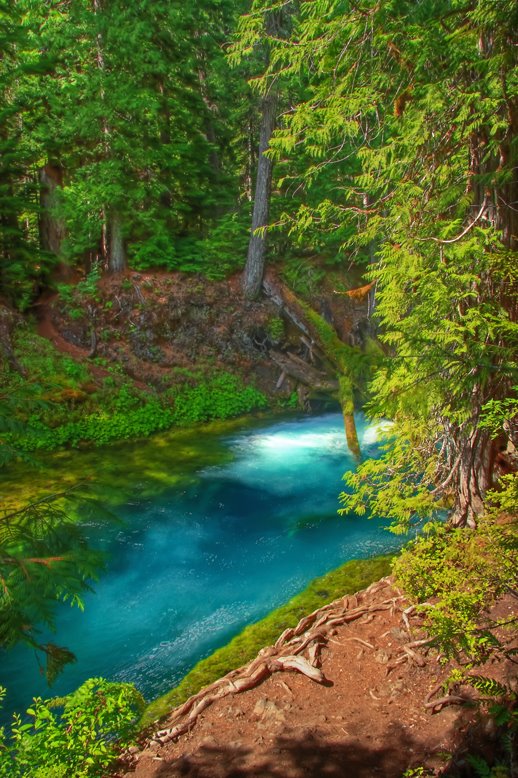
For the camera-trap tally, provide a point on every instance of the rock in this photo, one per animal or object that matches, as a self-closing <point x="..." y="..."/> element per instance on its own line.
<point x="208" y="742"/>
<point x="381" y="657"/>
<point x="268" y="711"/>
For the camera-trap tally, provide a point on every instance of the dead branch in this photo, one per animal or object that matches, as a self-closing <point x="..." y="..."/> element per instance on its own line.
<point x="359" y="293"/>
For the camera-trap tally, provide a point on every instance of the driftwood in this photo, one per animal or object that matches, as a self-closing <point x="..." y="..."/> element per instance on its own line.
<point x="285" y="655"/>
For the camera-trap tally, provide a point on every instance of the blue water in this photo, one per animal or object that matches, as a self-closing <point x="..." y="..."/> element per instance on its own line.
<point x="190" y="568"/>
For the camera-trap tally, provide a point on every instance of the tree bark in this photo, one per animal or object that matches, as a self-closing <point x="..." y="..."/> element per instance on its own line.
<point x="474" y="478"/>
<point x="52" y="229"/>
<point x="117" y="256"/>
<point x="255" y="261"/>
<point x="345" y="396"/>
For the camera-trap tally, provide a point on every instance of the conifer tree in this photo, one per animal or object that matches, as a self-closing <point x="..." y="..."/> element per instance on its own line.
<point x="20" y="65"/>
<point x="416" y="106"/>
<point x="258" y="30"/>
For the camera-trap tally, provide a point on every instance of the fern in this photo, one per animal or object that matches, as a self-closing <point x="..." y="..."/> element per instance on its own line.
<point x="489" y="687"/>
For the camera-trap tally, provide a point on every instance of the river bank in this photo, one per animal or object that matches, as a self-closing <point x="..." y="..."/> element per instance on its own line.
<point x="123" y="357"/>
<point x="204" y="532"/>
<point x="378" y="704"/>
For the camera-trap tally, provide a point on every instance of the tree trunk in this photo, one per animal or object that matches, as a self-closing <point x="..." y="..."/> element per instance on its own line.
<point x="345" y="395"/>
<point x="474" y="477"/>
<point x="52" y="229"/>
<point x="117" y="257"/>
<point x="255" y="261"/>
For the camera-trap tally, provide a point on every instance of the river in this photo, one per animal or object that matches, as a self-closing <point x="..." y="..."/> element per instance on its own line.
<point x="215" y="528"/>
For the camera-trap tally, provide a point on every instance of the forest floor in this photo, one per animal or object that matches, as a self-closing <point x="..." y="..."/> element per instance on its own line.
<point x="162" y="329"/>
<point x="376" y="712"/>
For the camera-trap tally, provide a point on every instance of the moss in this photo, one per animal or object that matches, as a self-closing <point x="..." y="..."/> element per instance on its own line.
<point x="275" y="328"/>
<point x="349" y="578"/>
<point x="338" y="352"/>
<point x="346" y="395"/>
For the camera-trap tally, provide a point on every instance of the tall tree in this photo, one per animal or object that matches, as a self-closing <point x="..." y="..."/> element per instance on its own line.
<point x="265" y="24"/>
<point x="20" y="64"/>
<point x="416" y="106"/>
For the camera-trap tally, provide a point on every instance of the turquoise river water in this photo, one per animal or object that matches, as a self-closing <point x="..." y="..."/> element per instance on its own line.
<point x="206" y="544"/>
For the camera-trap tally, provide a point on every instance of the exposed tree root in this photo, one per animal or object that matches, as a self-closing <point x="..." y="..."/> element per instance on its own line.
<point x="310" y="633"/>
<point x="449" y="699"/>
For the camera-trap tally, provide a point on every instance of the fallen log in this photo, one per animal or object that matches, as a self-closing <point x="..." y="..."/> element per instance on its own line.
<point x="276" y="297"/>
<point x="302" y="372"/>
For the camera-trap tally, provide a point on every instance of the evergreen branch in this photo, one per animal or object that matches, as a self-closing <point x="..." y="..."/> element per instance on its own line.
<point x="42" y="501"/>
<point x="463" y="233"/>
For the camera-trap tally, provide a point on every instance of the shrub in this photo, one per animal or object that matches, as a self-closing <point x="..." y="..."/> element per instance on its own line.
<point x="130" y="415"/>
<point x="463" y="573"/>
<point x="80" y="740"/>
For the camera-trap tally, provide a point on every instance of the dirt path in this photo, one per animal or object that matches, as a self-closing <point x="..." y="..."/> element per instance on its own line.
<point x="368" y="718"/>
<point x="47" y="330"/>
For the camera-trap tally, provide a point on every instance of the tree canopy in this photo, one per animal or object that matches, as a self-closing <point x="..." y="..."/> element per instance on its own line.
<point x="415" y="108"/>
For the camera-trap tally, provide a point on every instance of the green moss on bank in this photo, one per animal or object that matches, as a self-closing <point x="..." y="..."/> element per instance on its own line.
<point x="347" y="579"/>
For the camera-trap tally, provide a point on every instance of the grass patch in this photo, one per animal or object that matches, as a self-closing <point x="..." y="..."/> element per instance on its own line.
<point x="347" y="579"/>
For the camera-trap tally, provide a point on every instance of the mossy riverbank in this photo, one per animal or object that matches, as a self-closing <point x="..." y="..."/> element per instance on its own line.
<point x="347" y="579"/>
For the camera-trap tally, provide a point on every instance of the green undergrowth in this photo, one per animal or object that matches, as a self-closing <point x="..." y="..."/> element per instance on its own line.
<point x="218" y="397"/>
<point x="68" y="407"/>
<point x="454" y="576"/>
<point x="347" y="579"/>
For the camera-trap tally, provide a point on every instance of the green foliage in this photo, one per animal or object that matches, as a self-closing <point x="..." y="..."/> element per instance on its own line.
<point x="223" y="249"/>
<point x="80" y="741"/>
<point x="410" y="158"/>
<point x="216" y="255"/>
<point x="219" y="397"/>
<point x="489" y="687"/>
<point x="46" y="368"/>
<point x="275" y="328"/>
<point x="504" y="714"/>
<point x="463" y="574"/>
<point x="301" y="276"/>
<point x="137" y="122"/>
<point x="44" y="560"/>
<point x="75" y="297"/>
<point x="292" y="401"/>
<point x="497" y="413"/>
<point x="132" y="415"/>
<point x="397" y="485"/>
<point x="484" y="770"/>
<point x="349" y="578"/>
<point x="60" y="408"/>
<point x="350" y="361"/>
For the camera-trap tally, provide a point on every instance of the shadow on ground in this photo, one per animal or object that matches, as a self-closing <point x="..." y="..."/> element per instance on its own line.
<point x="306" y="755"/>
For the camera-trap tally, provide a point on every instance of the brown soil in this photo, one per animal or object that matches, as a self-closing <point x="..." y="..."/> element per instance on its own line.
<point x="161" y="328"/>
<point x="373" y="714"/>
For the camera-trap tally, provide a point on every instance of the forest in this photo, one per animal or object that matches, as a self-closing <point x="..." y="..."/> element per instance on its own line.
<point x="258" y="209"/>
